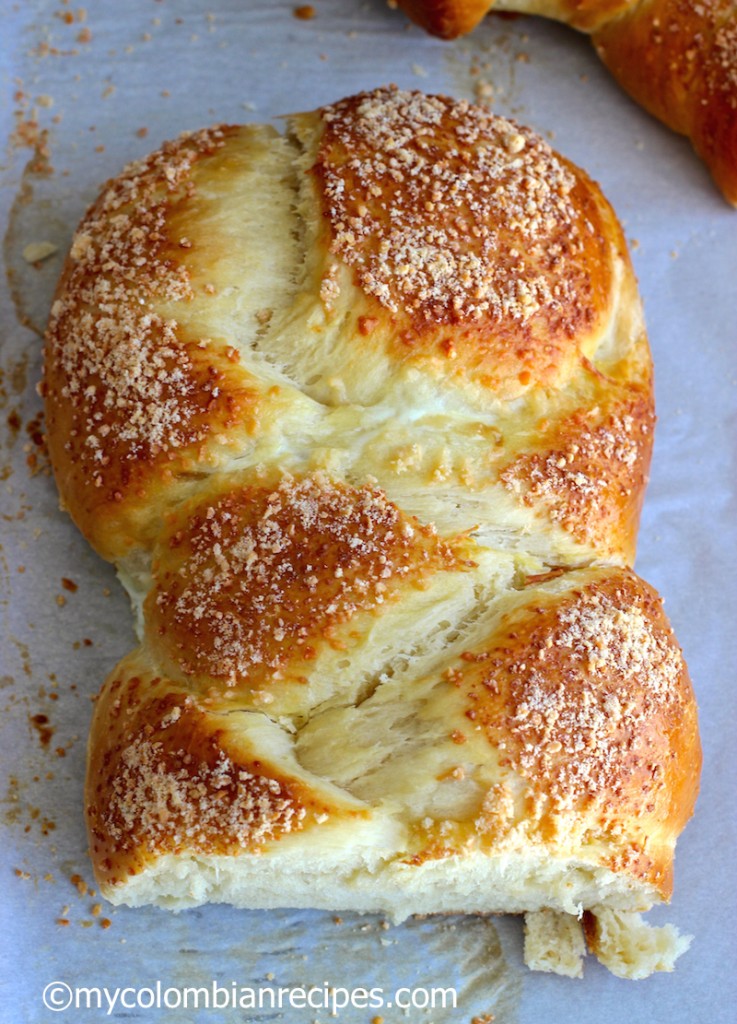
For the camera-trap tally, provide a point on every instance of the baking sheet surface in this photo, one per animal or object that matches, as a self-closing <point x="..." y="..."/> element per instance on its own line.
<point x="83" y="93"/>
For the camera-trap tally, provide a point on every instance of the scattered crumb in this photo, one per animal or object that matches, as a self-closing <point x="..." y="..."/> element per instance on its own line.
<point x="80" y="885"/>
<point x="417" y="69"/>
<point x="45" y="731"/>
<point x="483" y="92"/>
<point x="36" y="252"/>
<point x="304" y="12"/>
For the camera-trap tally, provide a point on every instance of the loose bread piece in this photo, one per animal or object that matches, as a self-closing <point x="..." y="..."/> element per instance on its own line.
<point x="364" y="415"/>
<point x="554" y="942"/>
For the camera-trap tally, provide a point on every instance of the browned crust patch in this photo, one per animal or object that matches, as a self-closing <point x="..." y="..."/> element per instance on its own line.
<point x="162" y="780"/>
<point x="250" y="587"/>
<point x="130" y="396"/>
<point x="588" y="473"/>
<point x="587" y="697"/>
<point x="483" y="245"/>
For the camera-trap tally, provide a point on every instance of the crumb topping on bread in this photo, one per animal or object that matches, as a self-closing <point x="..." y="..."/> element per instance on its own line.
<point x="586" y="697"/>
<point x="453" y="213"/>
<point x="265" y="576"/>
<point x="595" y="467"/>
<point x="124" y="365"/>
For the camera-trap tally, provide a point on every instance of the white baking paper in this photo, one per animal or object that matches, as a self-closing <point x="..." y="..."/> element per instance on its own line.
<point x="83" y="93"/>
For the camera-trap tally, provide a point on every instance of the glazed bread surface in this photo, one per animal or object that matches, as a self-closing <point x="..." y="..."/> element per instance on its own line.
<point x="363" y="414"/>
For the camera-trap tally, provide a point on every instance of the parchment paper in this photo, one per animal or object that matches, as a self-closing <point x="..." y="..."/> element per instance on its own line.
<point x="83" y="93"/>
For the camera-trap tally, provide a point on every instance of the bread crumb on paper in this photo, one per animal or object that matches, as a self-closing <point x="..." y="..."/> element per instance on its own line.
<point x="37" y="252"/>
<point x="483" y="92"/>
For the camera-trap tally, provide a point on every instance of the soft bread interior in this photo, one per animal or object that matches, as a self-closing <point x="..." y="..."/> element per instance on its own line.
<point x="631" y="948"/>
<point x="361" y="879"/>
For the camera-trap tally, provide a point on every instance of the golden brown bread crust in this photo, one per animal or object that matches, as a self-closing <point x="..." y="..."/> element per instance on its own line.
<point x="591" y="703"/>
<point x="447" y="18"/>
<point x="133" y="398"/>
<point x="579" y="691"/>
<point x="452" y="18"/>
<point x="253" y="582"/>
<point x="463" y="234"/>
<point x="501" y="274"/>
<point x="443" y="328"/>
<point x="168" y="775"/>
<point x="677" y="58"/>
<point x="592" y="476"/>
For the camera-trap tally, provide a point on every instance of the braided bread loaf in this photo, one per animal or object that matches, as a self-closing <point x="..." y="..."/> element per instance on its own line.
<point x="678" y="58"/>
<point x="363" y="414"/>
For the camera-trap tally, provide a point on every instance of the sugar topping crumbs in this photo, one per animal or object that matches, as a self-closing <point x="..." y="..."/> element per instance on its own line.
<point x="448" y="211"/>
<point x="602" y="636"/>
<point x="724" y="62"/>
<point x="710" y="55"/>
<point x="265" y="575"/>
<point x="587" y="702"/>
<point x="126" y="372"/>
<point x="698" y="40"/>
<point x="592" y="466"/>
<point x="167" y="799"/>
